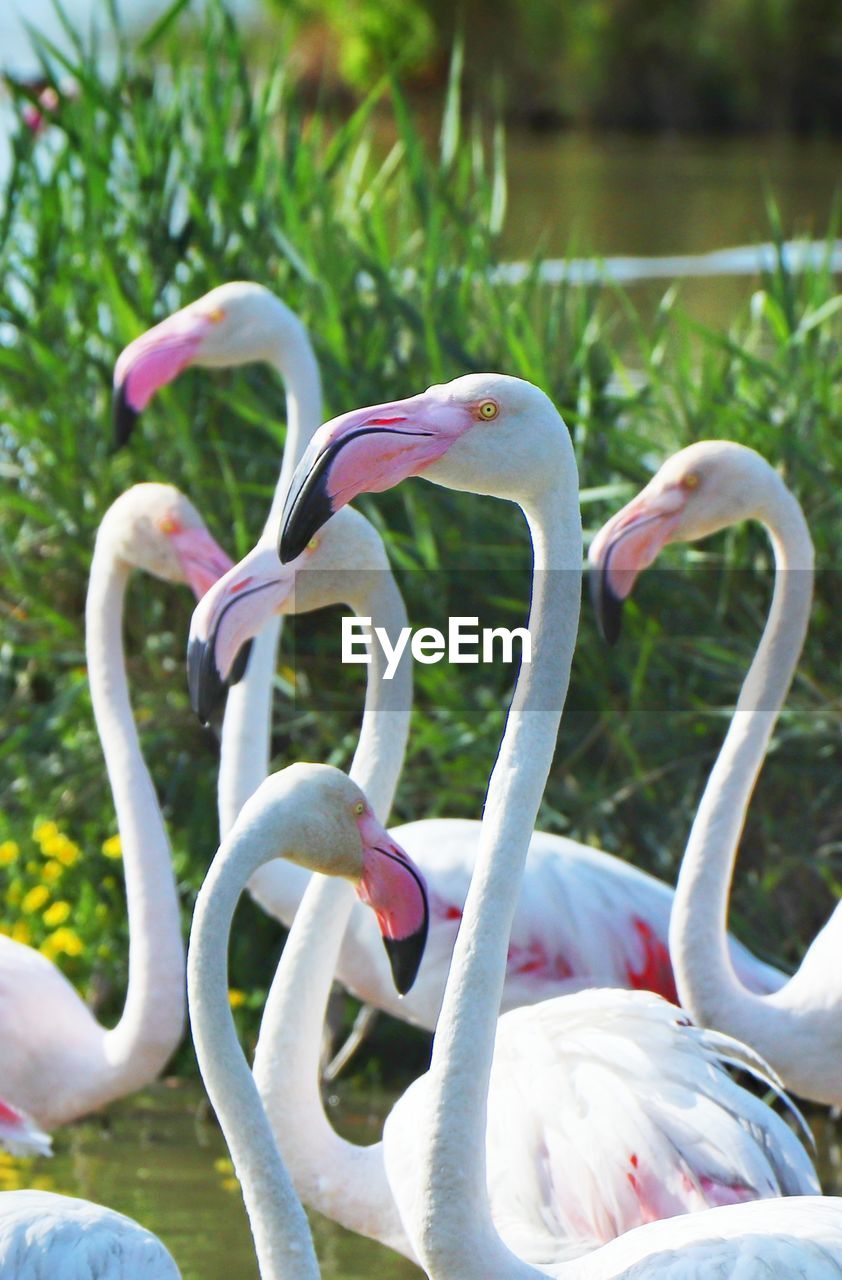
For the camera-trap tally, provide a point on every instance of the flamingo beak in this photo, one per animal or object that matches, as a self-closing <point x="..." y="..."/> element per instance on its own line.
<point x="123" y="416"/>
<point x="626" y="545"/>
<point x="224" y="624"/>
<point x="151" y="361"/>
<point x="366" y="451"/>
<point x="202" y="560"/>
<point x="394" y="888"/>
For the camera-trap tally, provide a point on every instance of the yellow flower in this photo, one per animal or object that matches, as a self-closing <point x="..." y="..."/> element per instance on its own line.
<point x="14" y="893"/>
<point x="35" y="899"/>
<point x="52" y="871"/>
<point x="112" y="847"/>
<point x="21" y="932"/>
<point x="236" y="998"/>
<point x="61" y="847"/>
<point x="68" y="853"/>
<point x="45" y="831"/>
<point x="62" y="942"/>
<point x="8" y="852"/>
<point x="56" y="914"/>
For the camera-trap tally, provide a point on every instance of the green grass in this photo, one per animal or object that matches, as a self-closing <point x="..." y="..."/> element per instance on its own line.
<point x="184" y="170"/>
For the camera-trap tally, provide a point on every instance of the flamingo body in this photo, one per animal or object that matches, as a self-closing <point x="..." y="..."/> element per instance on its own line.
<point x="50" y="1237"/>
<point x="608" y="1110"/>
<point x="799" y="1238"/>
<point x="54" y="1038"/>
<point x="584" y="919"/>
<point x="704" y="488"/>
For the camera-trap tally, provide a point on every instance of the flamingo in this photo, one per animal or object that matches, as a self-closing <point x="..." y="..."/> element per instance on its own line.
<point x="435" y="1137"/>
<point x="58" y="1062"/>
<point x="585" y="918"/>
<point x="309" y="812"/>
<point x="700" y="490"/>
<point x="235" y="323"/>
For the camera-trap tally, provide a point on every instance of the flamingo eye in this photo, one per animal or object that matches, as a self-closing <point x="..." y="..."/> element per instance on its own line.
<point x="359" y="808"/>
<point x="312" y="545"/>
<point x="216" y="316"/>
<point x="168" y="525"/>
<point x="690" y="481"/>
<point x="488" y="409"/>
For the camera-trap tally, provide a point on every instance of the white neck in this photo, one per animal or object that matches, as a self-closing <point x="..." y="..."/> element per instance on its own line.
<point x="281" y="1234"/>
<point x="247" y="726"/>
<point x="344" y="1181"/>
<point x="452" y="1227"/>
<point x="152" y="1021"/>
<point x="707" y="983"/>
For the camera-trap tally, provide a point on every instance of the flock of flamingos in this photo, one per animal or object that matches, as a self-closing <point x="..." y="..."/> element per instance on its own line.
<point x="574" y="1122"/>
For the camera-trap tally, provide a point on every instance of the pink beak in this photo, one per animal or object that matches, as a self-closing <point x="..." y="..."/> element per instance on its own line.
<point x="394" y="888"/>
<point x="202" y="559"/>
<point x="224" y="623"/>
<point x="152" y="360"/>
<point x="626" y="545"/>
<point x="366" y="451"/>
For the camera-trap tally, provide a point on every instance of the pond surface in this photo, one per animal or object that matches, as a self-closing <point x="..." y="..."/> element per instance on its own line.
<point x="161" y="1158"/>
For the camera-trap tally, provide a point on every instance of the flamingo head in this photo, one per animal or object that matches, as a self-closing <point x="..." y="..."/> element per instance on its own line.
<point x="153" y="527"/>
<point x="322" y="821"/>
<point x="698" y="491"/>
<point x="483" y="432"/>
<point x="336" y="566"/>
<point x="234" y="323"/>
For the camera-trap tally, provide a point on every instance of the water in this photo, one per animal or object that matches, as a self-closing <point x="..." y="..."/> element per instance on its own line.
<point x="160" y="1157"/>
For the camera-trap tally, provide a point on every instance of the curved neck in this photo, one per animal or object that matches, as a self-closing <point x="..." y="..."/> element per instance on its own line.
<point x="281" y="1234"/>
<point x="152" y="1021"/>
<point x="705" y="977"/>
<point x="454" y="1232"/>
<point x="247" y="725"/>
<point x="342" y="1180"/>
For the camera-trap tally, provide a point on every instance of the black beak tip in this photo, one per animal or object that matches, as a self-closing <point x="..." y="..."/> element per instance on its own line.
<point x="124" y="418"/>
<point x="240" y="664"/>
<point x="207" y="689"/>
<point x="607" y="606"/>
<point x="310" y="509"/>
<point x="405" y="956"/>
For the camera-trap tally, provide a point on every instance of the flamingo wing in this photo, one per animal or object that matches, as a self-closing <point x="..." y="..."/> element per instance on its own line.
<point x="607" y="1111"/>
